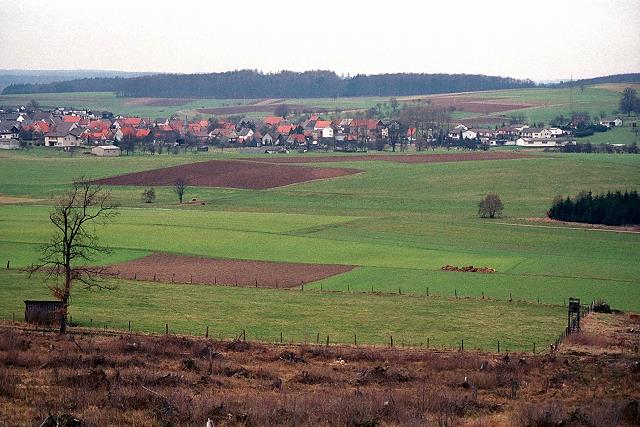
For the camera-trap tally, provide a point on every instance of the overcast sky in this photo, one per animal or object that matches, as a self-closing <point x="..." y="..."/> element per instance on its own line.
<point x="542" y="39"/>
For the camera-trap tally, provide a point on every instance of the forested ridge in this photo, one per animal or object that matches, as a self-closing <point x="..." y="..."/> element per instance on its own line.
<point x="285" y="84"/>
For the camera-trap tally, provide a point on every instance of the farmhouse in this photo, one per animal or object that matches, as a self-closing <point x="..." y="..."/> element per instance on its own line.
<point x="9" y="130"/>
<point x="64" y="135"/>
<point x="105" y="151"/>
<point x="612" y="122"/>
<point x="536" y="133"/>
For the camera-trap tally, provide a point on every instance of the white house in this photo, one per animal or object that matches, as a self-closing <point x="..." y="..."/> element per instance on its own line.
<point x="556" y="132"/>
<point x="106" y="151"/>
<point x="469" y="134"/>
<point x="327" y="132"/>
<point x="536" y="133"/>
<point x="611" y="122"/>
<point x="64" y="135"/>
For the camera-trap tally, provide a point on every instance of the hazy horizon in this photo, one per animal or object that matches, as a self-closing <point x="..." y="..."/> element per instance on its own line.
<point x="545" y="41"/>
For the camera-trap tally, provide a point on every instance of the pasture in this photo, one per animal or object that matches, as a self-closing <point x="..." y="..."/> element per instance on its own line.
<point x="398" y="223"/>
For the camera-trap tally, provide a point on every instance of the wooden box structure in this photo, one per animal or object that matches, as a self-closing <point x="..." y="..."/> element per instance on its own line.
<point x="573" y="316"/>
<point x="42" y="312"/>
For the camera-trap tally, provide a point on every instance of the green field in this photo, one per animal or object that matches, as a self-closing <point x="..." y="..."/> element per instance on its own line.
<point x="398" y="222"/>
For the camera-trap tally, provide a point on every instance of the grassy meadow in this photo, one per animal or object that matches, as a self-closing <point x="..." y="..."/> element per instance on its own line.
<point x="399" y="223"/>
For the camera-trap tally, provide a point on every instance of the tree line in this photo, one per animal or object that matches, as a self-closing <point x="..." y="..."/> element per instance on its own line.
<point x="284" y="84"/>
<point x="612" y="208"/>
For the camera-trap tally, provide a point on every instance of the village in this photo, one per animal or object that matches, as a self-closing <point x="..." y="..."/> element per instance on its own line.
<point x="112" y="135"/>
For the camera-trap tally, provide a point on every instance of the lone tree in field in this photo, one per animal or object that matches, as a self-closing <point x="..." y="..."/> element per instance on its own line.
<point x="180" y="186"/>
<point x="74" y="244"/>
<point x="491" y="206"/>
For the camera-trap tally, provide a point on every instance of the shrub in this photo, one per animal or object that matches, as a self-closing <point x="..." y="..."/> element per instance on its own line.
<point x="149" y="195"/>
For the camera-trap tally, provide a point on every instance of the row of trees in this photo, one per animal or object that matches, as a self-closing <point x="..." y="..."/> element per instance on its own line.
<point x="285" y="84"/>
<point x="601" y="148"/>
<point x="610" y="209"/>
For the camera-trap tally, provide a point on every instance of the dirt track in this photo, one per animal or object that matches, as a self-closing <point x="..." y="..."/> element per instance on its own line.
<point x="169" y="268"/>
<point x="228" y="174"/>
<point x="400" y="158"/>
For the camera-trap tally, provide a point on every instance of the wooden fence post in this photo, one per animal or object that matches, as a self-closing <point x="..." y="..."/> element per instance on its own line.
<point x="256" y="283"/>
<point x="191" y="279"/>
<point x="8" y="264"/>
<point x="428" y="342"/>
<point x="173" y="277"/>
<point x="355" y="339"/>
<point x="129" y="325"/>
<point x="462" y="345"/>
<point x="280" y="337"/>
<point x="534" y="348"/>
<point x="154" y="277"/>
<point x="206" y="333"/>
<point x="135" y="275"/>
<point x="391" y="336"/>
<point x="166" y="329"/>
<point x="318" y="338"/>
<point x="327" y="340"/>
<point x="498" y="346"/>
<point x="456" y="292"/>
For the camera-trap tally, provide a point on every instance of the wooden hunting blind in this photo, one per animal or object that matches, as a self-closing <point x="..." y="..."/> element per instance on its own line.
<point x="573" y="316"/>
<point x="43" y="312"/>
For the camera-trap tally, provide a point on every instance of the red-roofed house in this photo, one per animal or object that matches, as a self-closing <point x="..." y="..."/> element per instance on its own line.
<point x="285" y="129"/>
<point x="71" y="119"/>
<point x="142" y="133"/>
<point x="272" y="120"/>
<point x="131" y="121"/>
<point x="324" y="127"/>
<point x="40" y="127"/>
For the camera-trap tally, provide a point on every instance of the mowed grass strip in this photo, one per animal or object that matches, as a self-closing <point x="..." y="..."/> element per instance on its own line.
<point x="299" y="315"/>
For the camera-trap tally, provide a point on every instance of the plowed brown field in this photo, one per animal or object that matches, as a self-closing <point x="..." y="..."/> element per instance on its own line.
<point x="228" y="174"/>
<point x="170" y="268"/>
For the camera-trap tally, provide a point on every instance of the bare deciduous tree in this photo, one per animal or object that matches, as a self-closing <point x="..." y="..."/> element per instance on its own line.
<point x="491" y="206"/>
<point x="180" y="186"/>
<point x="66" y="258"/>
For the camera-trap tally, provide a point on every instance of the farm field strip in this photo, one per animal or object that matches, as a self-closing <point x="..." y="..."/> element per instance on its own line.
<point x="300" y="315"/>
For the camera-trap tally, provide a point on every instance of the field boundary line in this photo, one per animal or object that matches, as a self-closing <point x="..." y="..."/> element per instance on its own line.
<point x="568" y="228"/>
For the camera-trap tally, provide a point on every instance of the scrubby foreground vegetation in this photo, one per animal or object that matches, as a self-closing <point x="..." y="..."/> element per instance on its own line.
<point x="129" y="379"/>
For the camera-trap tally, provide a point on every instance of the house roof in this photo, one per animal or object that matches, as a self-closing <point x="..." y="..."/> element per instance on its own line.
<point x="62" y="129"/>
<point x="284" y="128"/>
<point x="71" y="119"/>
<point x="272" y="120"/>
<point x="321" y="124"/>
<point x="244" y="132"/>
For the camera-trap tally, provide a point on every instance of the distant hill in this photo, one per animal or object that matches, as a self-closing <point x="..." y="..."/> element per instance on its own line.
<point x="285" y="84"/>
<point x="614" y="78"/>
<point x="13" y="77"/>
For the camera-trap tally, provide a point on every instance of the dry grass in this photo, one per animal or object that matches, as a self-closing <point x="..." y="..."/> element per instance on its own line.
<point x="127" y="379"/>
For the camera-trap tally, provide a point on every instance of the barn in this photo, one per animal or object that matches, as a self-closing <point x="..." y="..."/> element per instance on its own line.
<point x="105" y="151"/>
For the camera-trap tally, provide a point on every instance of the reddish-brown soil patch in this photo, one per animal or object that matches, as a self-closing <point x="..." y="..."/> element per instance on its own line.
<point x="253" y="108"/>
<point x="401" y="158"/>
<point x="160" y="102"/>
<point x="228" y="174"/>
<point x="170" y="268"/>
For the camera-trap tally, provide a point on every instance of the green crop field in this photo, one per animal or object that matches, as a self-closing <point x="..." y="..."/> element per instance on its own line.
<point x="399" y="223"/>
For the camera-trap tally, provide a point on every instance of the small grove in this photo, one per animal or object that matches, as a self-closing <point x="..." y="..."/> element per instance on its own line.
<point x="612" y="208"/>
